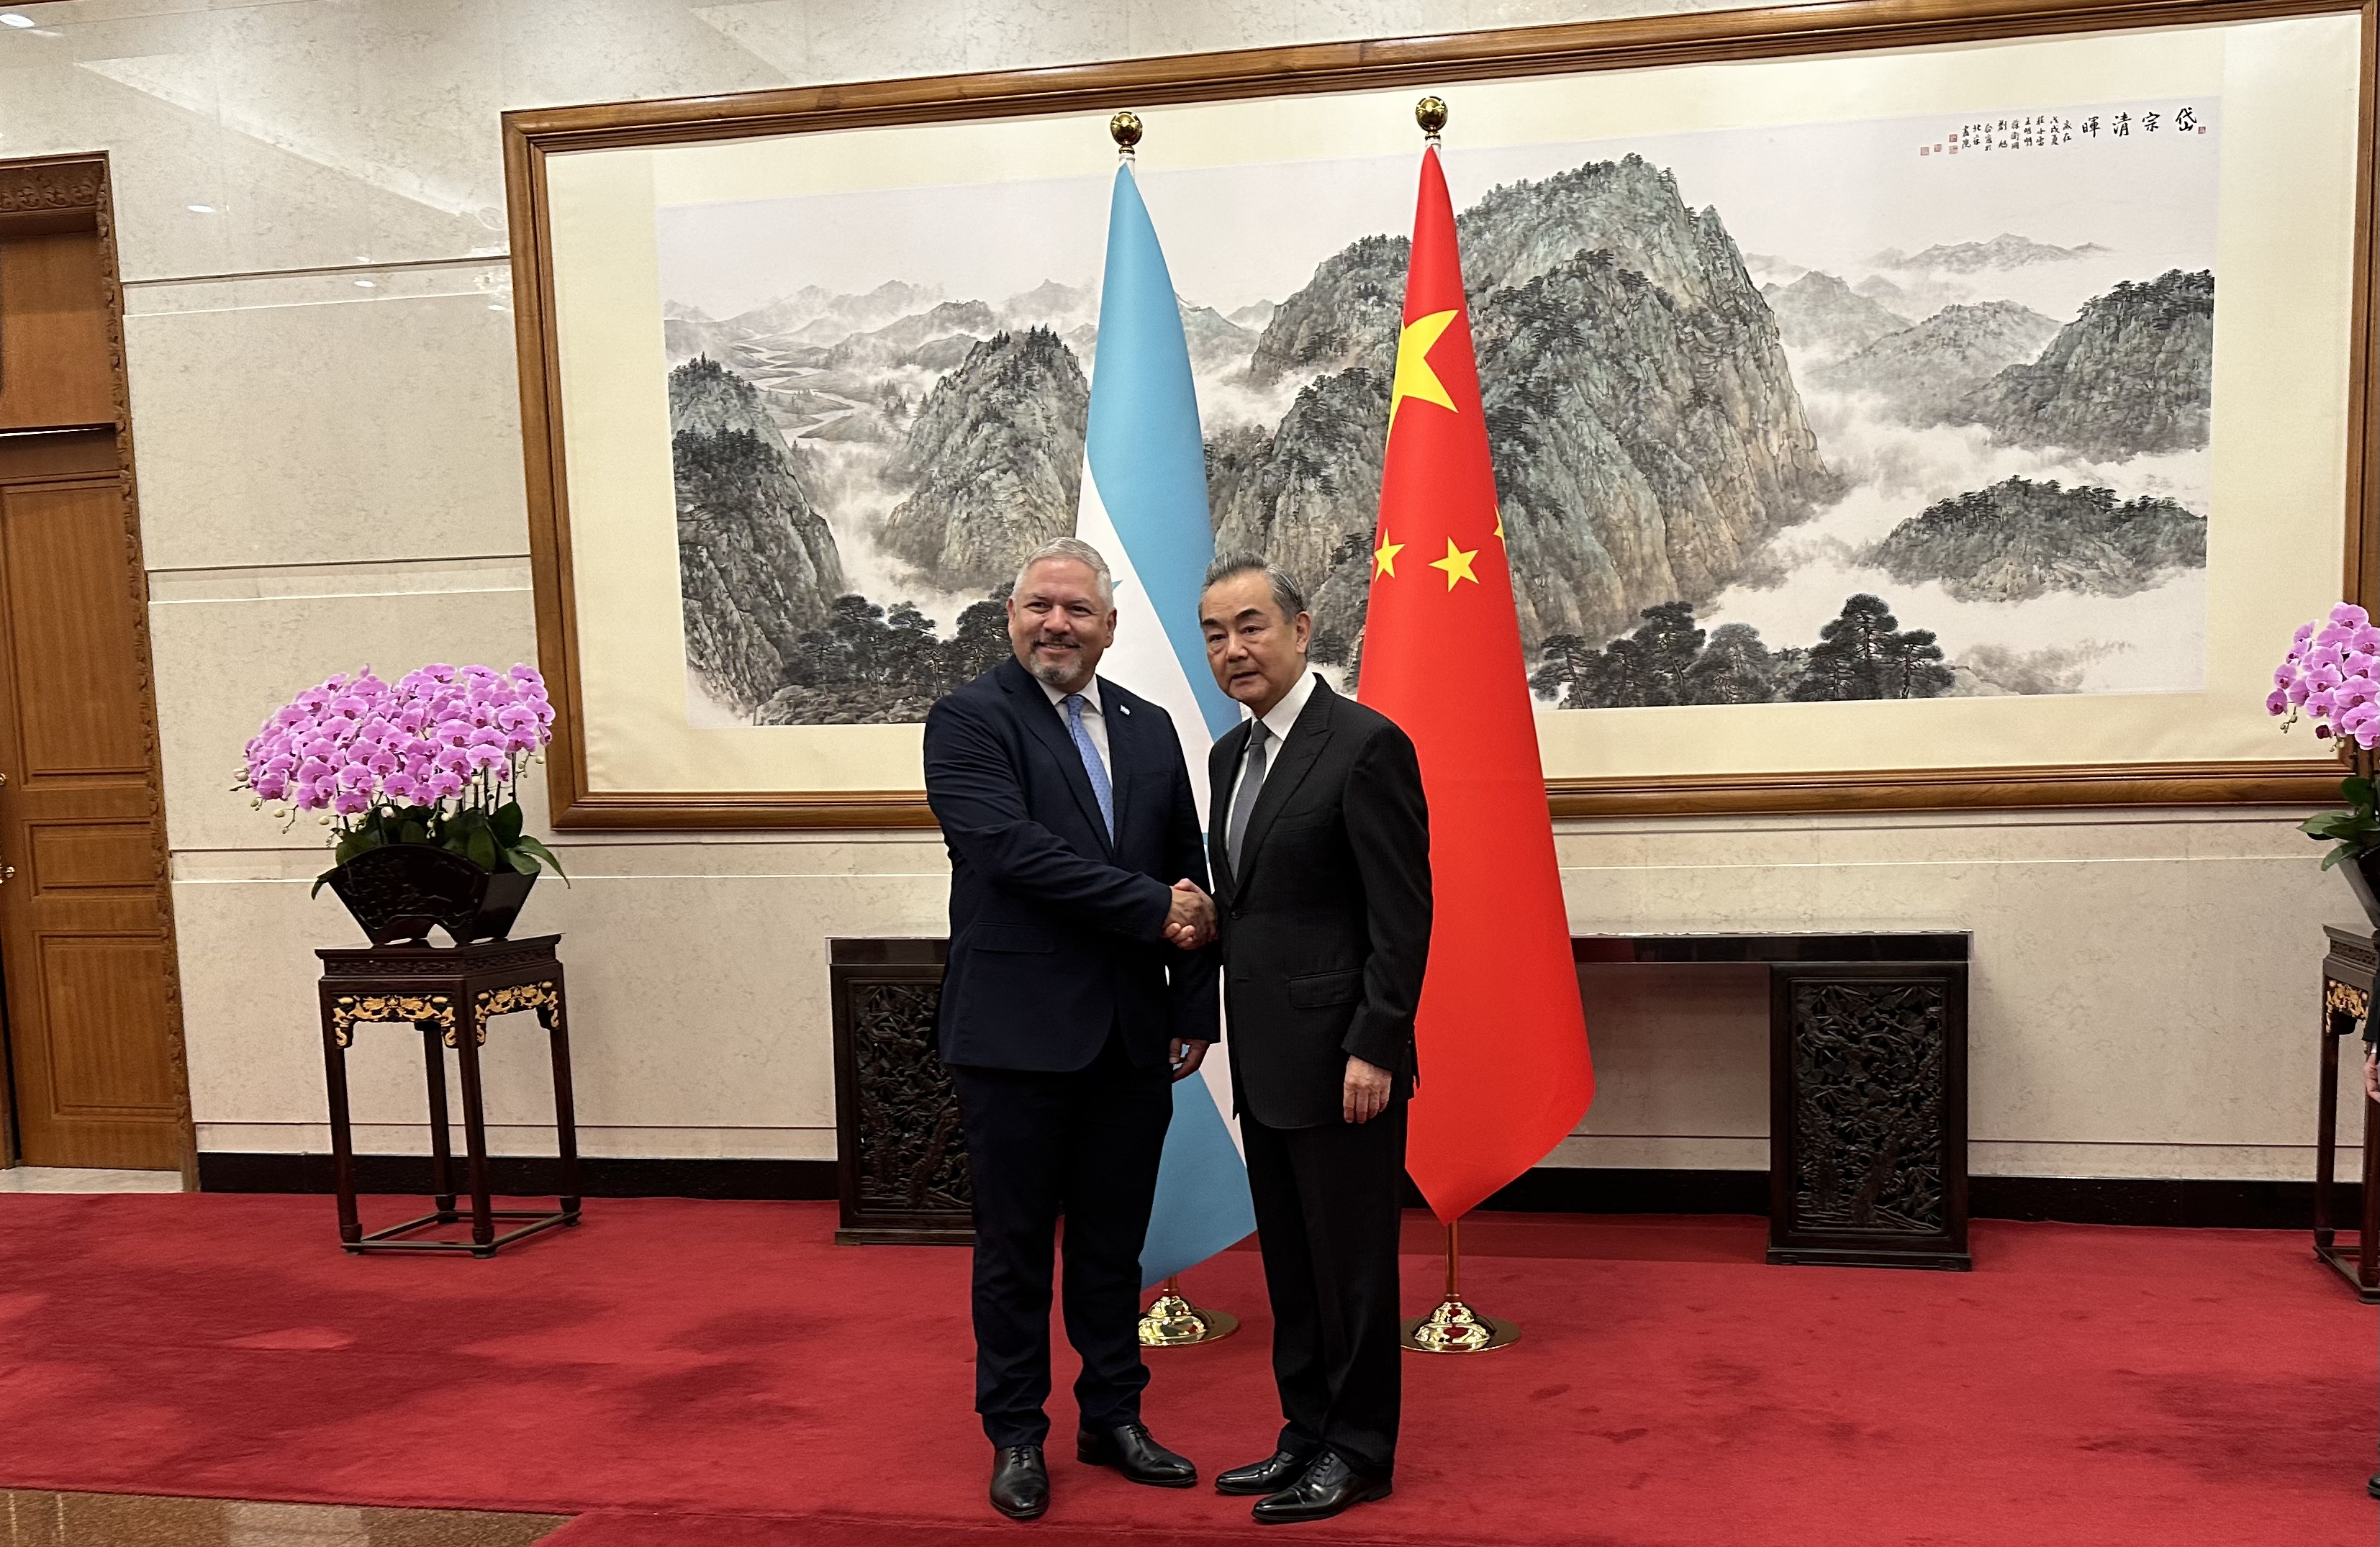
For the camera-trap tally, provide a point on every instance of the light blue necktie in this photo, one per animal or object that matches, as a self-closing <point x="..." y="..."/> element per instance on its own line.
<point x="1091" y="764"/>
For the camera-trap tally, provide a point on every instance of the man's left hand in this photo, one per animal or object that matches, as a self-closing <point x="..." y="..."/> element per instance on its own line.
<point x="1187" y="1056"/>
<point x="2372" y="1073"/>
<point x="1365" y="1094"/>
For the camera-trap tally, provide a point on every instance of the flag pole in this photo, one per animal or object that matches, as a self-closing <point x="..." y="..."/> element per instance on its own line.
<point x="1454" y="1327"/>
<point x="1170" y="1322"/>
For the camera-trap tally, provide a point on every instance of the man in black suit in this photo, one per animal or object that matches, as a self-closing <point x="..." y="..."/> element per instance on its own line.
<point x="1078" y="990"/>
<point x="1320" y="844"/>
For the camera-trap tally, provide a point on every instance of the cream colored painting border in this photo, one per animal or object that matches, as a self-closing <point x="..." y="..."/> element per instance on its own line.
<point x="2285" y="257"/>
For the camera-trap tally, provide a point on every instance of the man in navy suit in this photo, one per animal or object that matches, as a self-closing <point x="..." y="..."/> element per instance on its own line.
<point x="1079" y="987"/>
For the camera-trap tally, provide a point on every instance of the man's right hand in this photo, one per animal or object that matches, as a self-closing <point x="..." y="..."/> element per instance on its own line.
<point x="1190" y="922"/>
<point x="2371" y="1074"/>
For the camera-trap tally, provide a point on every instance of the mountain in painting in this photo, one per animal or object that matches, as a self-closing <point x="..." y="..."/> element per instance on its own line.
<point x="2134" y="373"/>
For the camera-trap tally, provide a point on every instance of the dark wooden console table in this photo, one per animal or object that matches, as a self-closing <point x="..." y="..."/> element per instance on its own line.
<point x="1868" y="1083"/>
<point x="450" y="994"/>
<point x="2347" y="980"/>
<point x="1867" y="1088"/>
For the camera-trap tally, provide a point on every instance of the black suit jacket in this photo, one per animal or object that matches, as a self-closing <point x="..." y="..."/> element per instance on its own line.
<point x="1057" y="933"/>
<point x="1326" y="927"/>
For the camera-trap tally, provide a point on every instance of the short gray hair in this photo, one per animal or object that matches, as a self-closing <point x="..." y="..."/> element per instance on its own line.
<point x="1079" y="552"/>
<point x="1285" y="593"/>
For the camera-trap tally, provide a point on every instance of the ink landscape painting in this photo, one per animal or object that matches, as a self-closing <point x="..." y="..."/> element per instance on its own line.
<point x="1885" y="409"/>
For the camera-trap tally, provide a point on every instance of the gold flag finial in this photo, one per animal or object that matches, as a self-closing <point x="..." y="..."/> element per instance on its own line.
<point x="1430" y="114"/>
<point x="1124" y="129"/>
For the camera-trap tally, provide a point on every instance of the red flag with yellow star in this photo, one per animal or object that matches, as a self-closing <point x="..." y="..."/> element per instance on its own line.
<point x="1504" y="1070"/>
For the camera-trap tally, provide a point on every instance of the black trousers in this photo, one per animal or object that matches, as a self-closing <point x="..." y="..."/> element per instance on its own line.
<point x="1329" y="1204"/>
<point x="1084" y="1145"/>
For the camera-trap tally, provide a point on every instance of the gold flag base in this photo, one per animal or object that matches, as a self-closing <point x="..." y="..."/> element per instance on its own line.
<point x="1454" y="1327"/>
<point x="1173" y="1322"/>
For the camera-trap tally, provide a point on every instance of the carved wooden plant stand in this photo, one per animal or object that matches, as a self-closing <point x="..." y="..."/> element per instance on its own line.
<point x="451" y="993"/>
<point x="2347" y="982"/>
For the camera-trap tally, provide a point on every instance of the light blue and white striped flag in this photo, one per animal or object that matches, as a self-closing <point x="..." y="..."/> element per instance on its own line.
<point x="1144" y="509"/>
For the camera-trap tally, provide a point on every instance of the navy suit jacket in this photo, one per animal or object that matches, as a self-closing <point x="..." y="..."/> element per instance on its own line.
<point x="1057" y="933"/>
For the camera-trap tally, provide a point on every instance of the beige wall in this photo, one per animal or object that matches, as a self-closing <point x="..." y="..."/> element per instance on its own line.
<point x="330" y="474"/>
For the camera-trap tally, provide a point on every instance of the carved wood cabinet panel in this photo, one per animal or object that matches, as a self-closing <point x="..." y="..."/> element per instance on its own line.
<point x="901" y="1159"/>
<point x="1868" y="1114"/>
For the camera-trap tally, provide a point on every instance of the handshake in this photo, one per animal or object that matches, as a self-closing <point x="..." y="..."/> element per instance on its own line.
<point x="1191" y="922"/>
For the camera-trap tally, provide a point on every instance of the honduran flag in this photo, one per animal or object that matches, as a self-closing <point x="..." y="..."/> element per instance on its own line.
<point x="1144" y="508"/>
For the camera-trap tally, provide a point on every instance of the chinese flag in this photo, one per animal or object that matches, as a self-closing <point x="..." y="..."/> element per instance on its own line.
<point x="1504" y="1070"/>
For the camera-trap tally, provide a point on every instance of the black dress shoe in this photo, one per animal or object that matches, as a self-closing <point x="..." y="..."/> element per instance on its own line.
<point x="1129" y="1450"/>
<point x="1270" y="1475"/>
<point x="2372" y="1487"/>
<point x="1020" y="1482"/>
<point x="1328" y="1486"/>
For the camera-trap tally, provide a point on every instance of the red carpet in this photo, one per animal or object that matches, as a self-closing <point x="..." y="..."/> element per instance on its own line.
<point x="692" y="1374"/>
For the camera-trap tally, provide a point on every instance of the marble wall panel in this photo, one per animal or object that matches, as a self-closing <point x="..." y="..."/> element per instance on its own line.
<point x="1705" y="895"/>
<point x="1680" y="1052"/>
<point x="1157" y="27"/>
<point x="326" y="418"/>
<point x="224" y="664"/>
<point x="308" y="134"/>
<point x="697" y="1002"/>
<point x="1161" y="26"/>
<point x="2158" y="1162"/>
<point x="407" y="1133"/>
<point x="868" y="40"/>
<point x="1024" y="34"/>
<point x="2240" y="1041"/>
<point x="1658" y="1151"/>
<point x="561" y="52"/>
<point x="326" y="133"/>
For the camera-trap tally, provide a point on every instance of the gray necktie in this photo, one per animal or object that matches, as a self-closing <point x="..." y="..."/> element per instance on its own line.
<point x="1244" y="801"/>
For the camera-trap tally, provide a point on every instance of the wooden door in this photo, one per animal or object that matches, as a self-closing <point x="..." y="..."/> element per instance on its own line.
<point x="86" y="949"/>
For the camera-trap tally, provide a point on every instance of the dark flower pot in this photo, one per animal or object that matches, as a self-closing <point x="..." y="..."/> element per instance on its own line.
<point x="2363" y="875"/>
<point x="398" y="890"/>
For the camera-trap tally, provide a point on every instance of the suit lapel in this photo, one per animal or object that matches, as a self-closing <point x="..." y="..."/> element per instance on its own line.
<point x="1305" y="744"/>
<point x="1223" y="767"/>
<point x="1042" y="718"/>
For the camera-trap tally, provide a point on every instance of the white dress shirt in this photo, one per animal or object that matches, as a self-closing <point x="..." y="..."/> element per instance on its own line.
<point x="1095" y="723"/>
<point x="1278" y="720"/>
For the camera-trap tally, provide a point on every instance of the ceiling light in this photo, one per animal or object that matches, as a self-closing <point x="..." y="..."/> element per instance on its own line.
<point x="200" y="209"/>
<point x="11" y="18"/>
<point x="365" y="285"/>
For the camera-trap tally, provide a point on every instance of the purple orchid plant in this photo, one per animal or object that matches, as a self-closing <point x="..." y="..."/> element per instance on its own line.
<point x="2331" y="676"/>
<point x="434" y="758"/>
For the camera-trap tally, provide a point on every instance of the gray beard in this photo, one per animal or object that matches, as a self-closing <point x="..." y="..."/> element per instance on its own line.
<point x="1049" y="674"/>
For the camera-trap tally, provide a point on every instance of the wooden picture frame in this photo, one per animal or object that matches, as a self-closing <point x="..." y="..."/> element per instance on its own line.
<point x="533" y="136"/>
